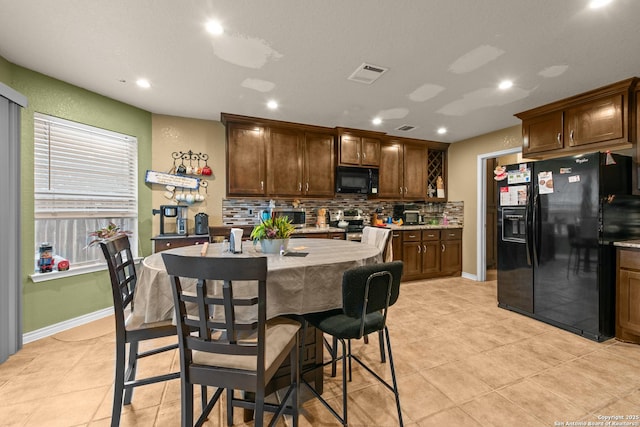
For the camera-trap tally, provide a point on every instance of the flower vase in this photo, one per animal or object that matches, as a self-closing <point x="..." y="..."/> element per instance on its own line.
<point x="272" y="246"/>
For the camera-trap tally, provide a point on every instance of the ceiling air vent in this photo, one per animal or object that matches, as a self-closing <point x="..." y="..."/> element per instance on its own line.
<point x="367" y="73"/>
<point x="406" y="128"/>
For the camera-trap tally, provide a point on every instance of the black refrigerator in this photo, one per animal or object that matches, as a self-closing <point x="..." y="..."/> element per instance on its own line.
<point x="563" y="271"/>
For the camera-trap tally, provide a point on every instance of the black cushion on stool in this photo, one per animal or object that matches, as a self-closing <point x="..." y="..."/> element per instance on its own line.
<point x="338" y="324"/>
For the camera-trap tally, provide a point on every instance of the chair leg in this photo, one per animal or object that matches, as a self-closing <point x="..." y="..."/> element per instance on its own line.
<point x="345" y="355"/>
<point x="186" y="396"/>
<point x="258" y="414"/>
<point x="334" y="355"/>
<point x="118" y="385"/>
<point x="383" y="357"/>
<point x="393" y="377"/>
<point x="229" y="407"/>
<point x="131" y="371"/>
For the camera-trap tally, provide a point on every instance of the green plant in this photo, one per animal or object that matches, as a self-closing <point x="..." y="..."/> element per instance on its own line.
<point x="104" y="233"/>
<point x="273" y="228"/>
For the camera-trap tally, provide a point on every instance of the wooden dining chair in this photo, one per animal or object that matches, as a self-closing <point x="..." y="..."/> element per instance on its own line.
<point x="130" y="327"/>
<point x="230" y="350"/>
<point x="367" y="294"/>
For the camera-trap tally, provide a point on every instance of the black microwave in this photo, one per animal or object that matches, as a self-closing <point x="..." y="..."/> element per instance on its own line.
<point x="356" y="180"/>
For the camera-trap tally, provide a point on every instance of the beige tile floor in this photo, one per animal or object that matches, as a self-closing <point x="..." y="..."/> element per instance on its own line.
<point x="461" y="361"/>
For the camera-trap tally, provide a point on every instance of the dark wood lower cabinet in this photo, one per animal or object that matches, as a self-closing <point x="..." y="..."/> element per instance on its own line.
<point x="431" y="253"/>
<point x="628" y="295"/>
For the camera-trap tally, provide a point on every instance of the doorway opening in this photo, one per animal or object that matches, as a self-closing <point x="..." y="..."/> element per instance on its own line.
<point x="482" y="218"/>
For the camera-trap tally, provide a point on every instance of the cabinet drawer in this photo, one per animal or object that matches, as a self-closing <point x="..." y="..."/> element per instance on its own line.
<point x="629" y="259"/>
<point x="430" y="234"/>
<point x="411" y="236"/>
<point x="455" y="234"/>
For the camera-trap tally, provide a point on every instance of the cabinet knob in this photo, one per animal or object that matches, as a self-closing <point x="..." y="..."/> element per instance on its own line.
<point x="306" y="189"/>
<point x="168" y="244"/>
<point x="443" y="247"/>
<point x="559" y="137"/>
<point x="364" y="155"/>
<point x="412" y="235"/>
<point x="262" y="185"/>
<point x="424" y="248"/>
<point x="419" y="249"/>
<point x="400" y="190"/>
<point x="299" y="186"/>
<point x="571" y="135"/>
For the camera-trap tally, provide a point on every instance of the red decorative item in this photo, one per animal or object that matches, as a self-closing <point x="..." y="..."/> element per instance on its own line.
<point x="63" y="265"/>
<point x="206" y="170"/>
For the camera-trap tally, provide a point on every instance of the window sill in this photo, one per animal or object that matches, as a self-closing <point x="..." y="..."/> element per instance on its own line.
<point x="74" y="271"/>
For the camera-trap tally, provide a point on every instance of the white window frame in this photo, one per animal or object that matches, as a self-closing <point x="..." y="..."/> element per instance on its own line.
<point x="75" y="169"/>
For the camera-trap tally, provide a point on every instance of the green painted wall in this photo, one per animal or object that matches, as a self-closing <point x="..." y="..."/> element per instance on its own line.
<point x="5" y="71"/>
<point x="54" y="301"/>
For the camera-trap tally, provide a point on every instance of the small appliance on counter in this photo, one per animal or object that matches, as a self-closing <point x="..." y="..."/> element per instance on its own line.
<point x="201" y="223"/>
<point x="173" y="211"/>
<point x="409" y="213"/>
<point x="297" y="216"/>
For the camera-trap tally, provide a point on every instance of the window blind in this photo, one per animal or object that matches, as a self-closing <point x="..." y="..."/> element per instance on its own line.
<point x="83" y="171"/>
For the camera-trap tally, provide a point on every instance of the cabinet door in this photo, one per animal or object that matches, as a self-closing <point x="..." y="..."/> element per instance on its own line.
<point x="629" y="301"/>
<point x="246" y="164"/>
<point x="415" y="165"/>
<point x="412" y="258"/>
<point x="542" y="133"/>
<point x="600" y="120"/>
<point x="349" y="150"/>
<point x="430" y="257"/>
<point x="396" y="243"/>
<point x="390" y="178"/>
<point x="451" y="256"/>
<point x="370" y="152"/>
<point x="284" y="162"/>
<point x="319" y="165"/>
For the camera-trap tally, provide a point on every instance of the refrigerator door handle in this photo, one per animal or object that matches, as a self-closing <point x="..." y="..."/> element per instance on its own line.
<point x="535" y="228"/>
<point x="527" y="235"/>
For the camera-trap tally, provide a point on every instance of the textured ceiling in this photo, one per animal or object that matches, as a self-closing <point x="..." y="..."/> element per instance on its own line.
<point x="445" y="57"/>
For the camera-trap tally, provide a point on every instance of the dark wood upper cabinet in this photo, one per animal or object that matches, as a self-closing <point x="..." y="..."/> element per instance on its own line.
<point x="596" y="120"/>
<point x="246" y="166"/>
<point x="415" y="167"/>
<point x="278" y="159"/>
<point x="358" y="148"/>
<point x="319" y="165"/>
<point x="542" y="133"/>
<point x="284" y="162"/>
<point x="391" y="170"/>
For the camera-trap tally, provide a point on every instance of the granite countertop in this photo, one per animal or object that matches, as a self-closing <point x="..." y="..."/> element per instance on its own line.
<point x="628" y="244"/>
<point x="312" y="229"/>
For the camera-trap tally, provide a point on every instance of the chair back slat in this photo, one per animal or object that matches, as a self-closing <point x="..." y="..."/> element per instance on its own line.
<point x="220" y="327"/>
<point x="122" y="272"/>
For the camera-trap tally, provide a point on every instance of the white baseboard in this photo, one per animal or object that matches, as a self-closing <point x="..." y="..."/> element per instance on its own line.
<point x="67" y="324"/>
<point x="470" y="276"/>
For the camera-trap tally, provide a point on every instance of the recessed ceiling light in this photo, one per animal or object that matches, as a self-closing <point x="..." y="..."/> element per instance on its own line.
<point x="376" y="121"/>
<point x="505" y="84"/>
<point x="596" y="4"/>
<point x="215" y="28"/>
<point x="144" y="83"/>
<point x="272" y="105"/>
<point x="442" y="130"/>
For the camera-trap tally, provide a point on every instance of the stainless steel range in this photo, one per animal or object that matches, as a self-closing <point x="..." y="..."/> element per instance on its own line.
<point x="355" y="224"/>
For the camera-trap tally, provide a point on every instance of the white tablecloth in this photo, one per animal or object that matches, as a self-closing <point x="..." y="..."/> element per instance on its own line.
<point x="295" y="285"/>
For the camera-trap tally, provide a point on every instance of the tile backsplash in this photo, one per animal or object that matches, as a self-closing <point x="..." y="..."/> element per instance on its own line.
<point x="247" y="211"/>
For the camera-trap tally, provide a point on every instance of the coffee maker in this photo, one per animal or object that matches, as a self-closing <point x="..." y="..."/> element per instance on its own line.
<point x="173" y="211"/>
